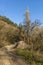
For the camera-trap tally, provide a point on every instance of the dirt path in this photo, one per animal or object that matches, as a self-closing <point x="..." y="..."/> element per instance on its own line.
<point x="8" y="57"/>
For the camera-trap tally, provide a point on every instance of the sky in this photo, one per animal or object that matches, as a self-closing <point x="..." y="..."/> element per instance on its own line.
<point x="15" y="9"/>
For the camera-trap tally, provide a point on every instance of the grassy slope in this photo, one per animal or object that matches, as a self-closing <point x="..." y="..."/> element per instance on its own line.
<point x="7" y="31"/>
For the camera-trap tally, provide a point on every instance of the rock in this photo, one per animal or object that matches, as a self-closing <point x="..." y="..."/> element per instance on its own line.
<point x="22" y="45"/>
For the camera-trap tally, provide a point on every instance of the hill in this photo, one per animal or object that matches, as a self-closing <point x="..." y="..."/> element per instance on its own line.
<point x="17" y="47"/>
<point x="7" y="31"/>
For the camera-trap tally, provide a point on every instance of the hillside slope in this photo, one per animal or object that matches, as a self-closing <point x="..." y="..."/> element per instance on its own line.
<point x="14" y="49"/>
<point x="7" y="31"/>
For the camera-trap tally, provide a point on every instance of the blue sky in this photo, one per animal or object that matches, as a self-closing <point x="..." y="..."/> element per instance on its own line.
<point x="15" y="9"/>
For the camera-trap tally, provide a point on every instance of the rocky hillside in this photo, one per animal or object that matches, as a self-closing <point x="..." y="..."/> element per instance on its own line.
<point x="7" y="31"/>
<point x="17" y="47"/>
<point x="7" y="54"/>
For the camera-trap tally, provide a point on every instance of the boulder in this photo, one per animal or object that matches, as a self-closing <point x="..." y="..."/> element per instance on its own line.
<point x="22" y="45"/>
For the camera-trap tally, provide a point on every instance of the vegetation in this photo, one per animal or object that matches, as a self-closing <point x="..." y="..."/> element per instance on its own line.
<point x="33" y="35"/>
<point x="30" y="56"/>
<point x="29" y="32"/>
<point x="7" y="20"/>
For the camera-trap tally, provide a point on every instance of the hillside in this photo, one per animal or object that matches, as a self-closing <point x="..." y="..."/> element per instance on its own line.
<point x="17" y="47"/>
<point x="7" y="31"/>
